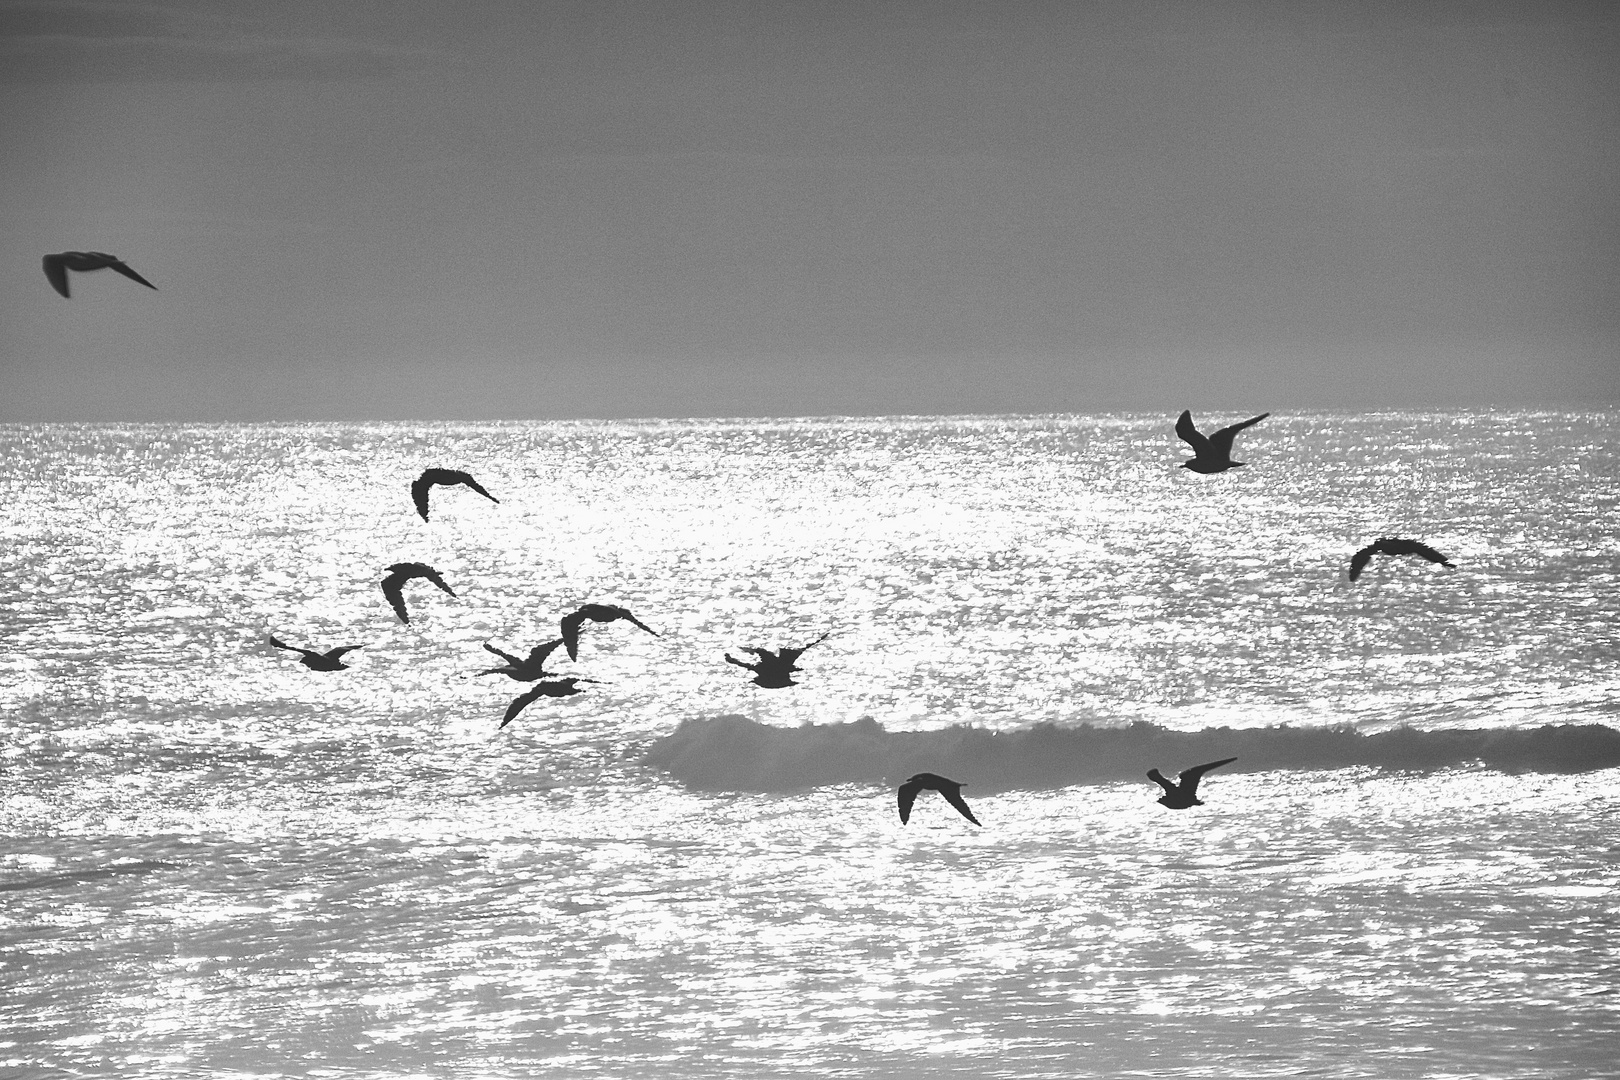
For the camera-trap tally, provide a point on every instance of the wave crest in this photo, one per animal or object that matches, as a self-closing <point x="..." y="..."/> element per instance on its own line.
<point x="734" y="753"/>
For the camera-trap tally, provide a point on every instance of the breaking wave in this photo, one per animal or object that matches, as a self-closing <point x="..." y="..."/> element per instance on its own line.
<point x="734" y="753"/>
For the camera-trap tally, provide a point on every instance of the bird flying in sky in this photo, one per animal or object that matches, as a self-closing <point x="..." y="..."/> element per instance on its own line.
<point x="57" y="267"/>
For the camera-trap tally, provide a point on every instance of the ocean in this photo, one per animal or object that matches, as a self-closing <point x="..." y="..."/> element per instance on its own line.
<point x="217" y="862"/>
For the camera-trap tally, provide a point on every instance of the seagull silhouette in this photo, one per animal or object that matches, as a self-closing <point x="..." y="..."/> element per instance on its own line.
<point x="560" y="688"/>
<point x="1181" y="795"/>
<point x="775" y="669"/>
<point x="1214" y="453"/>
<point x="1393" y="545"/>
<point x="524" y="670"/>
<point x="595" y="613"/>
<point x="331" y="660"/>
<point x="57" y="267"/>
<point x="930" y="782"/>
<point x="448" y="477"/>
<point x="393" y="585"/>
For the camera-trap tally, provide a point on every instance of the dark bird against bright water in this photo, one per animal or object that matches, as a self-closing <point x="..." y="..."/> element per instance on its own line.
<point x="1181" y="795"/>
<point x="401" y="572"/>
<point x="930" y="782"/>
<point x="595" y="613"/>
<point x="560" y="688"/>
<point x="447" y="477"/>
<point x="524" y="670"/>
<point x="57" y="267"/>
<point x="1393" y="545"/>
<point x="1211" y="454"/>
<point x="775" y="669"/>
<point x="331" y="660"/>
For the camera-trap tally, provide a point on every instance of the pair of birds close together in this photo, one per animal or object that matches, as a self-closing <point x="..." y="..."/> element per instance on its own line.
<point x="1178" y="795"/>
<point x="1213" y="454"/>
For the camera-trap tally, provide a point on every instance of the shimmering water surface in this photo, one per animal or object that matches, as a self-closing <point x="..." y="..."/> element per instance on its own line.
<point x="214" y="860"/>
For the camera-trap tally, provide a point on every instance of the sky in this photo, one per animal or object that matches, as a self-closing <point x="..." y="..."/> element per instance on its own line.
<point x="528" y="210"/>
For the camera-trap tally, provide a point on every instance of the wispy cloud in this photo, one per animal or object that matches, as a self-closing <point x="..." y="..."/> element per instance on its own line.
<point x="91" y="41"/>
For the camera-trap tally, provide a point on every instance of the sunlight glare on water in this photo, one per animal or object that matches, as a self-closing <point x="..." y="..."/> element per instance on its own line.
<point x="217" y="860"/>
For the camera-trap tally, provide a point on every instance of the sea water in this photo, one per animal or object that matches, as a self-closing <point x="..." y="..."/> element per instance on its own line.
<point x="214" y="861"/>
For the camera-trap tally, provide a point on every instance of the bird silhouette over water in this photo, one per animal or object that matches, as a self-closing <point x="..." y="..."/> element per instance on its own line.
<point x="1180" y="796"/>
<point x="774" y="669"/>
<point x="595" y="613"/>
<point x="394" y="584"/>
<point x="447" y="477"/>
<point x="1393" y="545"/>
<point x="560" y="688"/>
<point x="1211" y="454"/>
<point x="524" y="670"/>
<point x="57" y="267"/>
<point x="927" y="781"/>
<point x="331" y="660"/>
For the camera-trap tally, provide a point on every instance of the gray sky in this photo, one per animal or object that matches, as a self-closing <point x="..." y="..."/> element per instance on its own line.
<point x="395" y="210"/>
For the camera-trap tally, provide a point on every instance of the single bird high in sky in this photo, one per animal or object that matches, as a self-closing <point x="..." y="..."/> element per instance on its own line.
<point x="57" y="267"/>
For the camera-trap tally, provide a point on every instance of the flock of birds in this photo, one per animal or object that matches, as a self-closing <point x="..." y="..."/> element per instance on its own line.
<point x="773" y="669"/>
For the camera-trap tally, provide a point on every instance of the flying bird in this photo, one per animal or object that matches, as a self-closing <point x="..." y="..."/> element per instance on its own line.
<point x="331" y="660"/>
<point x="393" y="585"/>
<point x="57" y="267"/>
<point x="1180" y="796"/>
<point x="595" y="613"/>
<point x="560" y="688"/>
<point x="775" y="669"/>
<point x="447" y="477"/>
<point x="1393" y="545"/>
<point x="929" y="781"/>
<point x="1213" y="453"/>
<point x="524" y="670"/>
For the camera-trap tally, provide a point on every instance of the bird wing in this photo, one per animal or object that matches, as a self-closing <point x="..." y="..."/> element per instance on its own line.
<point x="538" y="654"/>
<point x="337" y="653"/>
<point x="1190" y="777"/>
<point x="508" y="657"/>
<point x="1222" y="439"/>
<point x="570" y="632"/>
<point x="1359" y="561"/>
<point x="123" y="268"/>
<point x="623" y="614"/>
<point x="419" y="493"/>
<point x="293" y="648"/>
<point x="519" y="702"/>
<point x="954" y="797"/>
<point x="433" y="576"/>
<point x="56" y="273"/>
<point x="476" y="486"/>
<point x="1190" y="434"/>
<point x="393" y="588"/>
<point x="1158" y="778"/>
<point x="1429" y="553"/>
<point x="791" y="656"/>
<point x="741" y="664"/>
<point x="908" y="795"/>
